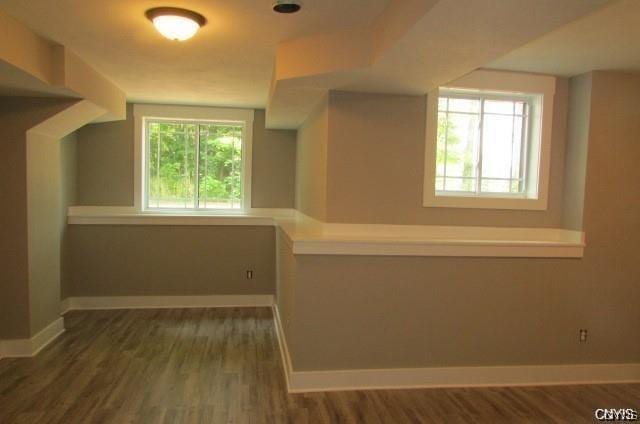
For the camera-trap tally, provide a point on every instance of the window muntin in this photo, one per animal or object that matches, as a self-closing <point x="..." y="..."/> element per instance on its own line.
<point x="482" y="144"/>
<point x="193" y="164"/>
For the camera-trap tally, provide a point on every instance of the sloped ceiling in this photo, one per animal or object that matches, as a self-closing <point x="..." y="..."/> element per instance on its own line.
<point x="440" y="41"/>
<point x="229" y="62"/>
<point x="248" y="56"/>
<point x="606" y="39"/>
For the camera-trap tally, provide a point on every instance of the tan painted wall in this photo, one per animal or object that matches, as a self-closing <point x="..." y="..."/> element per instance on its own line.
<point x="170" y="261"/>
<point x="44" y="219"/>
<point x="376" y="165"/>
<point x="16" y="116"/>
<point x="577" y="148"/>
<point x="173" y="258"/>
<point x="273" y="166"/>
<point x="311" y="163"/>
<point x="105" y="164"/>
<point x="68" y="157"/>
<point x="388" y="312"/>
<point x="285" y="284"/>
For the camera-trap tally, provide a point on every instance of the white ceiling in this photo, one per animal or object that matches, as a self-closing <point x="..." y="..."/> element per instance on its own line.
<point x="445" y="40"/>
<point x="607" y="39"/>
<point x="229" y="62"/>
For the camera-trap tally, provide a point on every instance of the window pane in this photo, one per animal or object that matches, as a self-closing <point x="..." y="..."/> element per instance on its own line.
<point x="497" y="136"/>
<point x="495" y="186"/>
<point x="462" y="140"/>
<point x="441" y="151"/>
<point x="171" y="164"/>
<point x="481" y="144"/>
<point x="460" y="184"/>
<point x="220" y="167"/>
<point x="442" y="103"/>
<point x="499" y="106"/>
<point x="517" y="147"/>
<point x="464" y="105"/>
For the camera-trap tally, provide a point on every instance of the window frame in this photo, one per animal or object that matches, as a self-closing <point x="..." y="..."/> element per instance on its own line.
<point x="485" y="83"/>
<point x="143" y="113"/>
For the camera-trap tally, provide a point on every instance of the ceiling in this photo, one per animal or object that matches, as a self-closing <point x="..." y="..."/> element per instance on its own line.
<point x="608" y="38"/>
<point x="436" y="42"/>
<point x="229" y="63"/>
<point x="417" y="44"/>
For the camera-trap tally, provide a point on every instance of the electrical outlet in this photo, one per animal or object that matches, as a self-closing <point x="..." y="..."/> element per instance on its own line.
<point x="582" y="335"/>
<point x="249" y="274"/>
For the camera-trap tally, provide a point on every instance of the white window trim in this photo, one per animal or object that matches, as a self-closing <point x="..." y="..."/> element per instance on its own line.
<point x="493" y="81"/>
<point x="141" y="111"/>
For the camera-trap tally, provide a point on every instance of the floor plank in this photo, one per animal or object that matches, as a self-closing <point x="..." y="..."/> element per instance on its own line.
<point x="223" y="366"/>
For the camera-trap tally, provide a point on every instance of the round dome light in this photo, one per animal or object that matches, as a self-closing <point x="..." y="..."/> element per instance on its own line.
<point x="175" y="23"/>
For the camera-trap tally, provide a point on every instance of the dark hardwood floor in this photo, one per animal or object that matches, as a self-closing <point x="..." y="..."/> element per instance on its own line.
<point x="223" y="366"/>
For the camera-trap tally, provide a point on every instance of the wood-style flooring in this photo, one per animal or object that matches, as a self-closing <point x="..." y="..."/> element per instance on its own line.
<point x="223" y="366"/>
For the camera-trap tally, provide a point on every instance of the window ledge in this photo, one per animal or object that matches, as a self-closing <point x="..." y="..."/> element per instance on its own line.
<point x="116" y="215"/>
<point x="483" y="202"/>
<point x="307" y="236"/>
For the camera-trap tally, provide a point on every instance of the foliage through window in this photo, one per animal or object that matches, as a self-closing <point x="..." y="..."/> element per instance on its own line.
<point x="193" y="165"/>
<point x="482" y="144"/>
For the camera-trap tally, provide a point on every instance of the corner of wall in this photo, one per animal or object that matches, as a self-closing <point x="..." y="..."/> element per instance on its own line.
<point x="575" y="165"/>
<point x="311" y="162"/>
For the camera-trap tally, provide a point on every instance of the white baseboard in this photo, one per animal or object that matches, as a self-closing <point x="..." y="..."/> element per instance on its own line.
<point x="163" y="302"/>
<point x="413" y="378"/>
<point x="490" y="376"/>
<point x="65" y="306"/>
<point x="284" y="349"/>
<point x="21" y="348"/>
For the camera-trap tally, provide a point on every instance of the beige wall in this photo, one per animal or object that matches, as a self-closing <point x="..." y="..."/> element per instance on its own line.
<point x="388" y="312"/>
<point x="376" y="165"/>
<point x="170" y="261"/>
<point x="311" y="163"/>
<point x="68" y="158"/>
<point x="285" y="283"/>
<point x="154" y="260"/>
<point x="44" y="228"/>
<point x="579" y="120"/>
<point x="17" y="115"/>
<point x="105" y="164"/>
<point x="273" y="166"/>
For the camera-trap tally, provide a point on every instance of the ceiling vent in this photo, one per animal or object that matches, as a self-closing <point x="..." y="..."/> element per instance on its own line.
<point x="286" y="6"/>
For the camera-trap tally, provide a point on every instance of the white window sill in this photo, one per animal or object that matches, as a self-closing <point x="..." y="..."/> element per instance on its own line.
<point x="307" y="236"/>
<point x="116" y="215"/>
<point x="484" y="202"/>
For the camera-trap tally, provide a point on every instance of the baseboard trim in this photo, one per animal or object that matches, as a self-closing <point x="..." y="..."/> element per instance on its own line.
<point x="284" y="349"/>
<point x="25" y="348"/>
<point x="65" y="306"/>
<point x="492" y="376"/>
<point x="164" y="302"/>
<point x="440" y="377"/>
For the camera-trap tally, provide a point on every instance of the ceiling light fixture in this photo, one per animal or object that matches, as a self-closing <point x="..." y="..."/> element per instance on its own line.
<point x="175" y="23"/>
<point x="286" y="6"/>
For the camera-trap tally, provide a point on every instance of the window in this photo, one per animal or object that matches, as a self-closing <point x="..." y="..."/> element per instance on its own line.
<point x="193" y="164"/>
<point x="488" y="142"/>
<point x="482" y="143"/>
<point x="192" y="159"/>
